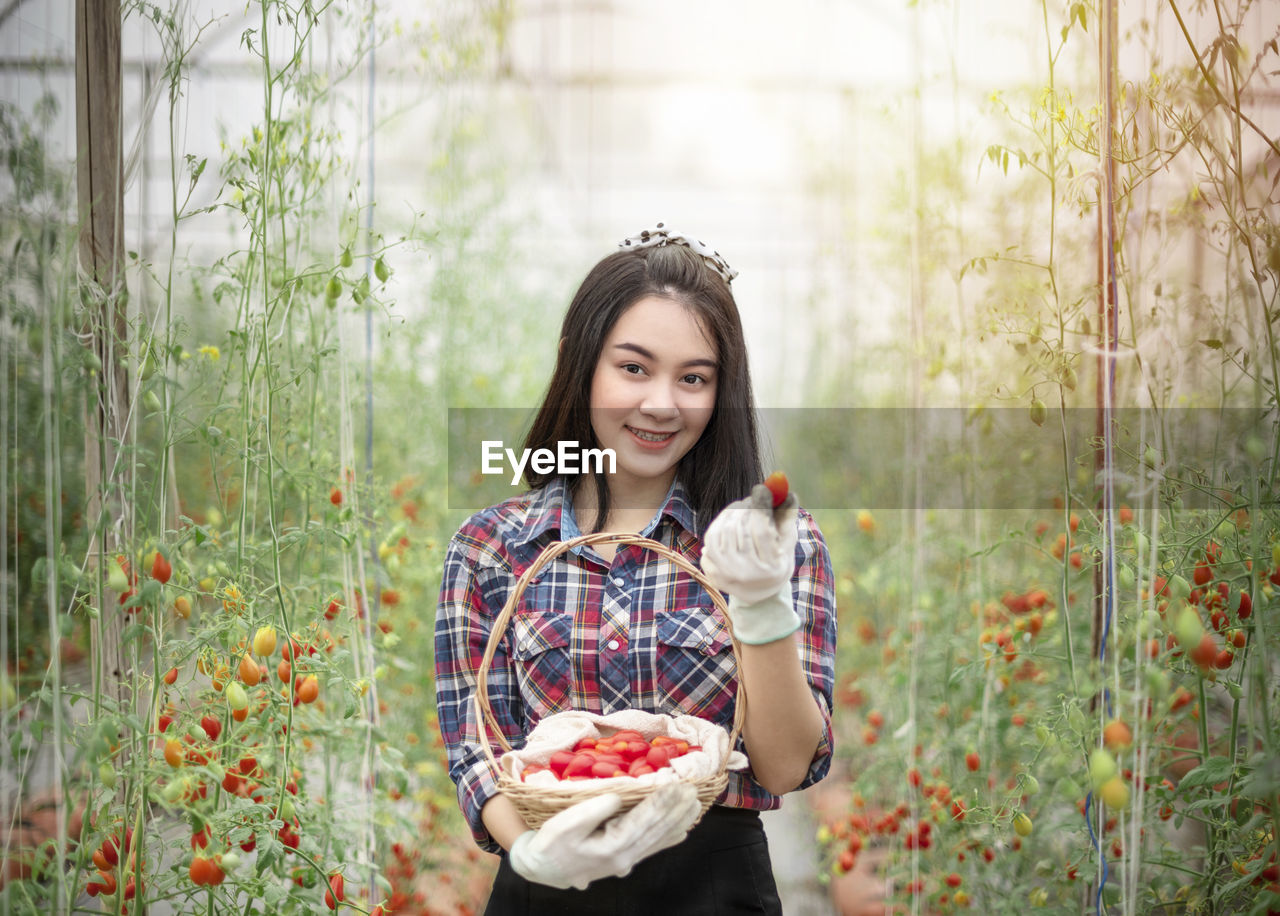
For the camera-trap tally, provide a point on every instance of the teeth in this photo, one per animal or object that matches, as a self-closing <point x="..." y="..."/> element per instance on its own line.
<point x="651" y="437"/>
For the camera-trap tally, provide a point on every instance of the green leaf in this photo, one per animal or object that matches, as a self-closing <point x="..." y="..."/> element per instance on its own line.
<point x="1212" y="343"/>
<point x="1213" y="770"/>
<point x="134" y="723"/>
<point x="132" y="632"/>
<point x="1263" y="782"/>
<point x="268" y="852"/>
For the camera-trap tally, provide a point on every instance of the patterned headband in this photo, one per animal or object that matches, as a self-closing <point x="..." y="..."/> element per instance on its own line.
<point x="659" y="236"/>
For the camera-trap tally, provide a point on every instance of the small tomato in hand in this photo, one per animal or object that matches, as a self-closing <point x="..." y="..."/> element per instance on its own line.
<point x="778" y="487"/>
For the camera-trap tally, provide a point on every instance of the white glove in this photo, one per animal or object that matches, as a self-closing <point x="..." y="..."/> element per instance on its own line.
<point x="581" y="843"/>
<point x="749" y="552"/>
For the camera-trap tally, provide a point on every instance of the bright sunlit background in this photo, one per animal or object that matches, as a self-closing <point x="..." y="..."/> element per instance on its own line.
<point x="916" y="198"/>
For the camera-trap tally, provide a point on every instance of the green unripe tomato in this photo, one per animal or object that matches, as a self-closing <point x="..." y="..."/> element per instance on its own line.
<point x="174" y="790"/>
<point x="117" y="581"/>
<point x="1037" y="412"/>
<point x="1158" y="682"/>
<point x="1188" y="628"/>
<point x="1102" y="766"/>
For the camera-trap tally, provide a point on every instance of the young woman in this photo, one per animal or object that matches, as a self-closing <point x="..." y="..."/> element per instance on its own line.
<point x="652" y="365"/>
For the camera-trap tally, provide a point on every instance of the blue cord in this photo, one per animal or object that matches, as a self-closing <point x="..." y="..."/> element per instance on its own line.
<point x="1093" y="838"/>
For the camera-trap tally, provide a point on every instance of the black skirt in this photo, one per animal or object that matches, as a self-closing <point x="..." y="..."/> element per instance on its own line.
<point x="722" y="867"/>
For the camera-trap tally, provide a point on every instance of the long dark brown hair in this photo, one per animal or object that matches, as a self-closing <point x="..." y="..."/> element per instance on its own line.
<point x="725" y="462"/>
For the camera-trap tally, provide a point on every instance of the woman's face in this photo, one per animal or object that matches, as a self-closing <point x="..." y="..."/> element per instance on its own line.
<point x="653" y="390"/>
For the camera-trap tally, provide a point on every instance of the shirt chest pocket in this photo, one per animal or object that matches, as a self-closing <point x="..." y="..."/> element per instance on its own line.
<point x="696" y="667"/>
<point x="541" y="652"/>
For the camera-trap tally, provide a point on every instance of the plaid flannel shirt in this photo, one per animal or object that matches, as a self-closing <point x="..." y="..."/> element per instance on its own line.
<point x="597" y="636"/>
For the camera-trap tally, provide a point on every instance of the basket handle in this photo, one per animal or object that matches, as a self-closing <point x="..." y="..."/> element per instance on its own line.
<point x="485" y="719"/>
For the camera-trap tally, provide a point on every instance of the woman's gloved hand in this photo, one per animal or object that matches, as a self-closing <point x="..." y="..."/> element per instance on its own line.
<point x="586" y="842"/>
<point x="749" y="552"/>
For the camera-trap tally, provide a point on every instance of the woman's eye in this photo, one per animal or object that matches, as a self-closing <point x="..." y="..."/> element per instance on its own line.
<point x="632" y="368"/>
<point x="694" y="380"/>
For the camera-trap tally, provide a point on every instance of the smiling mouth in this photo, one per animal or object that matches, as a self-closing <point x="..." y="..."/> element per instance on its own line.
<point x="647" y="436"/>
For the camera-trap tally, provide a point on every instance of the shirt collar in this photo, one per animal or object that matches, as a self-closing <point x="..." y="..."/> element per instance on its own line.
<point x="678" y="509"/>
<point x="545" y="505"/>
<point x="548" y="504"/>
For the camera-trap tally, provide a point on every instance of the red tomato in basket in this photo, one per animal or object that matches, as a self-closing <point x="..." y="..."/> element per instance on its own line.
<point x="633" y="750"/>
<point x="658" y="757"/>
<point x="624" y="753"/>
<point x="679" y="745"/>
<point x="560" y="760"/>
<point x="580" y="765"/>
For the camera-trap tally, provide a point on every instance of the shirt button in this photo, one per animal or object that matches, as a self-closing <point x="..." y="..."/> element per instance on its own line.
<point x="619" y="581"/>
<point x="613" y="644"/>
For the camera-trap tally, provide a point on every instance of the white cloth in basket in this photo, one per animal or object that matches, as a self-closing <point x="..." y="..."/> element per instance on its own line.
<point x="564" y="729"/>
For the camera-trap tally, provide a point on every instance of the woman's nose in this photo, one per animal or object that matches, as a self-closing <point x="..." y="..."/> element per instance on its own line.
<point x="659" y="401"/>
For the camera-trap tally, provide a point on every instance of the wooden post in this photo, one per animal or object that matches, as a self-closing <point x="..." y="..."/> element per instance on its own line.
<point x="100" y="198"/>
<point x="99" y="158"/>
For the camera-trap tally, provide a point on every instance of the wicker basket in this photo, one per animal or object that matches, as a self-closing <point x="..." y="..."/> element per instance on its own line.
<point x="538" y="803"/>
